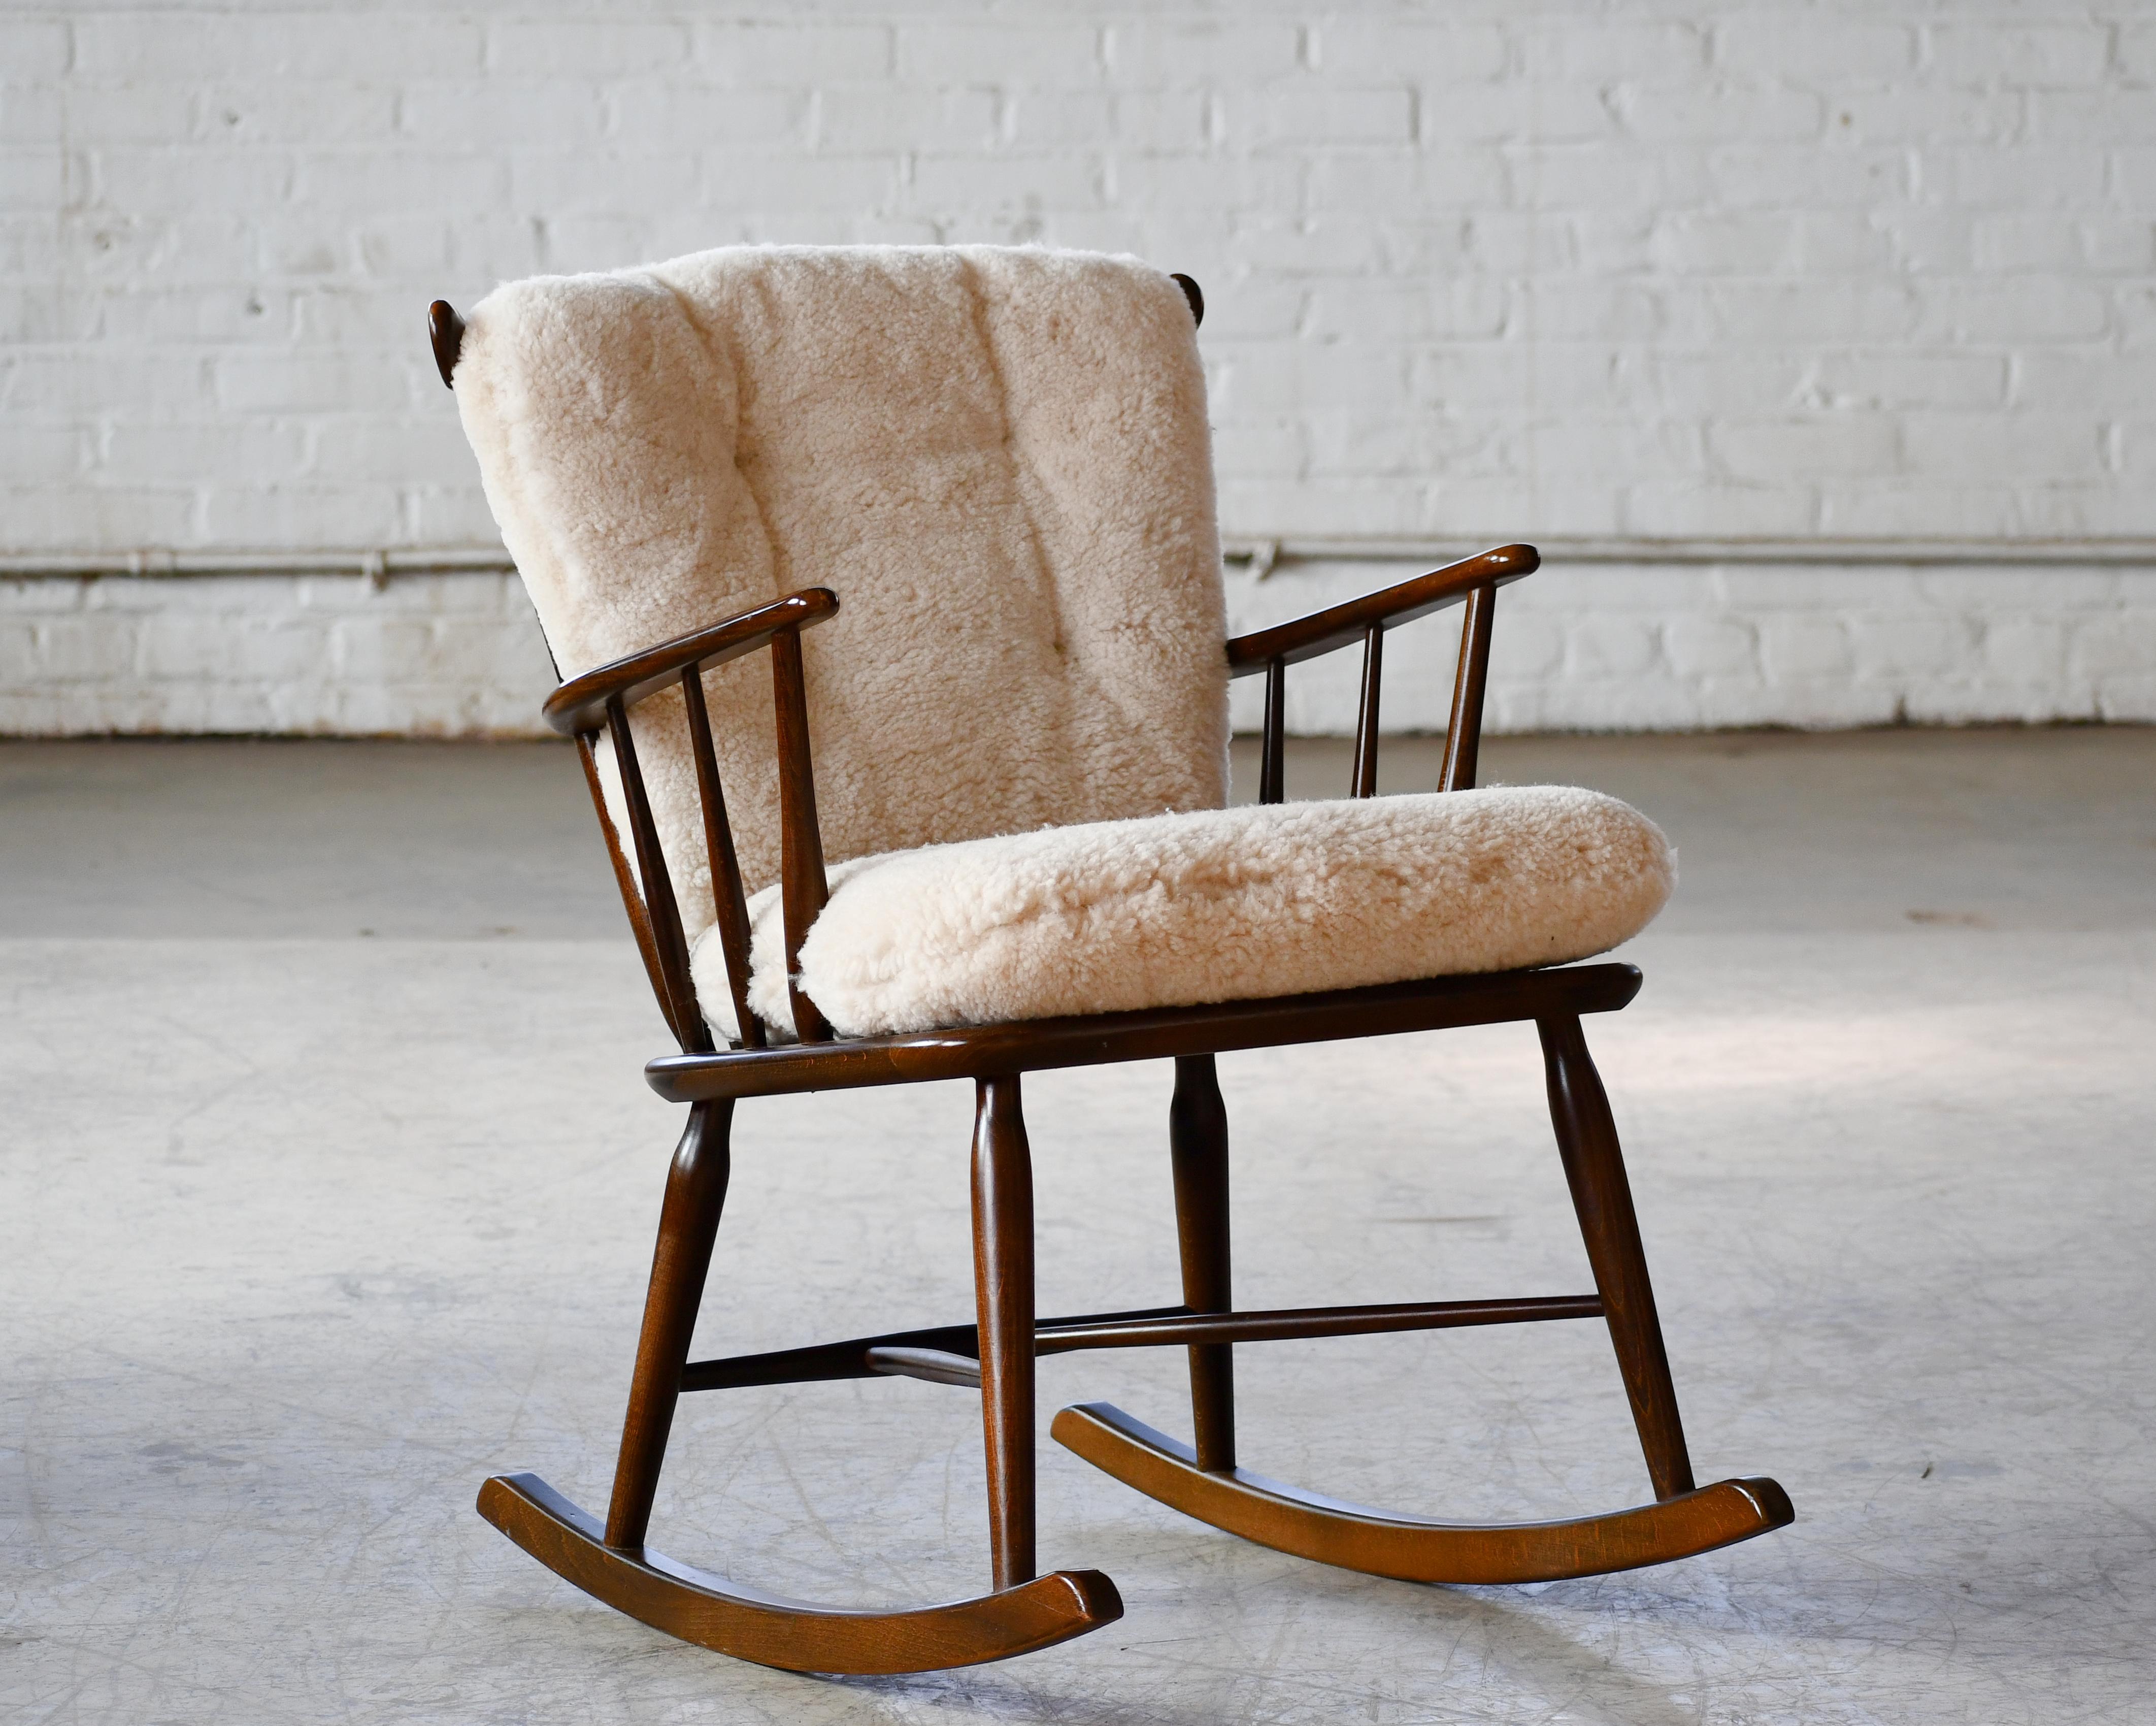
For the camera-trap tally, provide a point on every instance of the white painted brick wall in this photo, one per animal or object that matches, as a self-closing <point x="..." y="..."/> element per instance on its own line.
<point x="434" y="655"/>
<point x="1607" y="646"/>
<point x="1475" y="271"/>
<point x="1626" y="646"/>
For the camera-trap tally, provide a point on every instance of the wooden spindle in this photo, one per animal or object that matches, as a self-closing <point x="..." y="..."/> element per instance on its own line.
<point x="729" y="903"/>
<point x="625" y="880"/>
<point x="1272" y="769"/>
<point x="802" y="887"/>
<point x="1463" y="735"/>
<point x="1366" y="720"/>
<point x="658" y="894"/>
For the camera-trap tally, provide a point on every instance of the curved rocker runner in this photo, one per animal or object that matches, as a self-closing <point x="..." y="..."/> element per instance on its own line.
<point x="1406" y="1549"/>
<point x="771" y="1630"/>
<point x="627" y="503"/>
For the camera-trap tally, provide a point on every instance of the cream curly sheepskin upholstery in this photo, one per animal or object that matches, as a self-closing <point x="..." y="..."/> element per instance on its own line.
<point x="998" y="457"/>
<point x="1000" y="461"/>
<point x="1225" y="904"/>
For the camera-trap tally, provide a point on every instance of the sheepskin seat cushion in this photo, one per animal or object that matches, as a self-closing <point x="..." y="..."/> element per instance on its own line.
<point x="998" y="457"/>
<point x="1215" y="906"/>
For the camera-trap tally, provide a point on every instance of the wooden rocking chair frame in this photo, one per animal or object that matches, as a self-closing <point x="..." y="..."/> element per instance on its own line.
<point x="995" y="1354"/>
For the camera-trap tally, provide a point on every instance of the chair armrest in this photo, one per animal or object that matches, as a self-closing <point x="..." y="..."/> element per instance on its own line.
<point x="1475" y="581"/>
<point x="599" y="701"/>
<point x="580" y="705"/>
<point x="1321" y="632"/>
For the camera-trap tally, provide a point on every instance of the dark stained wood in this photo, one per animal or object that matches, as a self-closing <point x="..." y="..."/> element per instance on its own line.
<point x="996" y="1353"/>
<point x="1306" y="638"/>
<point x="685" y="1015"/>
<point x="729" y="904"/>
<point x="935" y="1366"/>
<point x="580" y="704"/>
<point x="1272" y="767"/>
<point x="445" y="334"/>
<point x="1379" y="1543"/>
<point x="714" y="1613"/>
<point x="1194" y="294"/>
<point x="688" y="1223"/>
<point x="1595" y="1169"/>
<point x="1032" y="1045"/>
<point x="1003" y="1295"/>
<point x="822" y="1362"/>
<point x="895" y="1352"/>
<point x="1365" y="717"/>
<point x="1197" y="1147"/>
<point x="803" y="886"/>
<point x="625" y="883"/>
<point x="1301" y="1323"/>
<point x="1463" y="735"/>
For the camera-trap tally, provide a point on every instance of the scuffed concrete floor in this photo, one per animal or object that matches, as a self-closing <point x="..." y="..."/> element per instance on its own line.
<point x="328" y="1177"/>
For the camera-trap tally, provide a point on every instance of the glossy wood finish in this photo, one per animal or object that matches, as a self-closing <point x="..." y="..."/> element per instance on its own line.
<point x="1301" y="1323"/>
<point x="1272" y="764"/>
<point x="580" y="705"/>
<point x="1595" y="1169"/>
<point x="1333" y="1532"/>
<point x="803" y="887"/>
<point x="1463" y="735"/>
<point x="850" y="1359"/>
<point x="624" y="882"/>
<point x="933" y="1366"/>
<point x="1365" y="717"/>
<point x="1003" y="1296"/>
<point x="688" y="1223"/>
<point x="730" y="905"/>
<point x="996" y="1353"/>
<point x="445" y="335"/>
<point x="1306" y="638"/>
<point x="664" y="914"/>
<point x="1034" y="1046"/>
<point x="772" y="1630"/>
<point x="930" y="1352"/>
<point x="1198" y="1149"/>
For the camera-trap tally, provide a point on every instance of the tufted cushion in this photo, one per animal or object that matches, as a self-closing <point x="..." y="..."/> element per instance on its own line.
<point x="1217" y="905"/>
<point x="998" y="457"/>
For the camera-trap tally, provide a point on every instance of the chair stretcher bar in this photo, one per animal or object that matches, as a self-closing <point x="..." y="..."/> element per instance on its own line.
<point x="950" y="1353"/>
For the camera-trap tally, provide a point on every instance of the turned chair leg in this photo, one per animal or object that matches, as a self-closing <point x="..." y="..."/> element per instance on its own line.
<point x="1594" y="1168"/>
<point x="1197" y="1142"/>
<point x="688" y="1223"/>
<point x="1003" y="1295"/>
<point x="611" y="1562"/>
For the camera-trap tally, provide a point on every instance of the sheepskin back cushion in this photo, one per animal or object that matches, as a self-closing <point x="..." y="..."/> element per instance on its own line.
<point x="998" y="457"/>
<point x="1224" y="905"/>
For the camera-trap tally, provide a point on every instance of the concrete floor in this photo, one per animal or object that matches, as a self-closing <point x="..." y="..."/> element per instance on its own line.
<point x="317" y="1205"/>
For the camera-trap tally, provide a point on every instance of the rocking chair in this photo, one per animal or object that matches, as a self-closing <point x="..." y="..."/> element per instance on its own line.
<point x="983" y="478"/>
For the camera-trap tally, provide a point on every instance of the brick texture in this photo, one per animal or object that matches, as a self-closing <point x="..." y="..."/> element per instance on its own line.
<point x="1474" y="270"/>
<point x="1608" y="647"/>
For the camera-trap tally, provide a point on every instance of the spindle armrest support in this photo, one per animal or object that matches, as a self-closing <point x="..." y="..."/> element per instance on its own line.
<point x="599" y="699"/>
<point x="1474" y="580"/>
